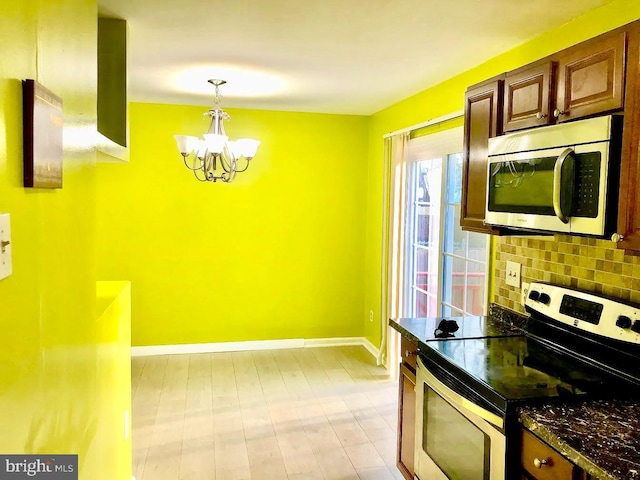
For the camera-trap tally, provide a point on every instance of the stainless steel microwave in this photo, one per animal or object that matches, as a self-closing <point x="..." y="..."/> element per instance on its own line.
<point x="562" y="178"/>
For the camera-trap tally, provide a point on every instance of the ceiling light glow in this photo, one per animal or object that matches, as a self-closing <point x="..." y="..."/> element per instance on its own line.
<point x="242" y="83"/>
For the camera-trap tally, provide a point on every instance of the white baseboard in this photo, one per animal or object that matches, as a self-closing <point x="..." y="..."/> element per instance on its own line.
<point x="333" y="342"/>
<point x="215" y="347"/>
<point x="371" y="348"/>
<point x="252" y="345"/>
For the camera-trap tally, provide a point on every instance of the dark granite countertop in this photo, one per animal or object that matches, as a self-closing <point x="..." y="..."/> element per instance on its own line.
<point x="601" y="436"/>
<point x="499" y="322"/>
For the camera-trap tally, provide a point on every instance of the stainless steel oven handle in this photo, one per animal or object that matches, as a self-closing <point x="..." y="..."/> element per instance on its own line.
<point x="557" y="185"/>
<point x="459" y="401"/>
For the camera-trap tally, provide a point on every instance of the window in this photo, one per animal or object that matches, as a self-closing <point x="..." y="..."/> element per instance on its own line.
<point x="446" y="267"/>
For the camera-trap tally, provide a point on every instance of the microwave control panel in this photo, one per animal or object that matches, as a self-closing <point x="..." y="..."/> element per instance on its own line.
<point x="587" y="187"/>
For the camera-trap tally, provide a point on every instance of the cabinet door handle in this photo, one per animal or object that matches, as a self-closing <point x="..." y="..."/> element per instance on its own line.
<point x="539" y="463"/>
<point x="540" y="115"/>
<point x="409" y="353"/>
<point x="557" y="113"/>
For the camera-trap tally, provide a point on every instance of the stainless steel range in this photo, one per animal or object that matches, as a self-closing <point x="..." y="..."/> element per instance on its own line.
<point x="577" y="346"/>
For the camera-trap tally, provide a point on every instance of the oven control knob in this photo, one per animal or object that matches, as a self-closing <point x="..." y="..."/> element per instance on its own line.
<point x="545" y="298"/>
<point x="534" y="295"/>
<point x="636" y="326"/>
<point x="623" y="321"/>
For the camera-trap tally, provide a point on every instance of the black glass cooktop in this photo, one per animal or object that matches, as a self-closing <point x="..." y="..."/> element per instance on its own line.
<point x="454" y="328"/>
<point x="508" y="370"/>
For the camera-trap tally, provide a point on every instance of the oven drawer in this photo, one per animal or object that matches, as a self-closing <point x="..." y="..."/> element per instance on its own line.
<point x="543" y="462"/>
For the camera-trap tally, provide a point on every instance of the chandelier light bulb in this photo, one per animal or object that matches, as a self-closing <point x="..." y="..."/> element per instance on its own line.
<point x="201" y="149"/>
<point x="186" y="143"/>
<point x="248" y="147"/>
<point x="215" y="142"/>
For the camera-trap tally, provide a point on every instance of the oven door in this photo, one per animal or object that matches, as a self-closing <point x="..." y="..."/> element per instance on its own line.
<point x="455" y="438"/>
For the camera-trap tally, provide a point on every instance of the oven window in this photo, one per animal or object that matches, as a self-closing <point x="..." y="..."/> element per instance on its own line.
<point x="456" y="445"/>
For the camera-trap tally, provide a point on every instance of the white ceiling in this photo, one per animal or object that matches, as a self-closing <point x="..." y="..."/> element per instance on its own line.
<point x="330" y="56"/>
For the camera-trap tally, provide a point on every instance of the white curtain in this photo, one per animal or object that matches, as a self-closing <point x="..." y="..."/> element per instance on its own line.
<point x="392" y="265"/>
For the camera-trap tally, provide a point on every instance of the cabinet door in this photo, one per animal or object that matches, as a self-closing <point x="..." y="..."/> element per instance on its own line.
<point x="482" y="120"/>
<point x="406" y="422"/>
<point x="629" y="196"/>
<point x="591" y="77"/>
<point x="527" y="97"/>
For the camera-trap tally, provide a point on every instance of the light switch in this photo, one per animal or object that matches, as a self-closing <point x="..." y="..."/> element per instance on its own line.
<point x="513" y="274"/>
<point x="5" y="246"/>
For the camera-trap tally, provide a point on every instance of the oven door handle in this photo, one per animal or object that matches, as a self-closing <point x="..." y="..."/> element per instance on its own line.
<point x="558" y="184"/>
<point x="459" y="401"/>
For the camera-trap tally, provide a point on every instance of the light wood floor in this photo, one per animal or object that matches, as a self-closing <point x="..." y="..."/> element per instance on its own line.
<point x="316" y="413"/>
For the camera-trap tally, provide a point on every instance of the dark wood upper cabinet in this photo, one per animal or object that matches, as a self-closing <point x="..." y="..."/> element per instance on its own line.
<point x="595" y="77"/>
<point x="589" y="80"/>
<point x="528" y="95"/>
<point x="629" y="197"/>
<point x="482" y="120"/>
<point x="591" y="77"/>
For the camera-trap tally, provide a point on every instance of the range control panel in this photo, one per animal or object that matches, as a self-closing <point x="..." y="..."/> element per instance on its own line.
<point x="586" y="311"/>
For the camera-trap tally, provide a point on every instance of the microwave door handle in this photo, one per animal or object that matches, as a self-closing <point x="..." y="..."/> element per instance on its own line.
<point x="557" y="185"/>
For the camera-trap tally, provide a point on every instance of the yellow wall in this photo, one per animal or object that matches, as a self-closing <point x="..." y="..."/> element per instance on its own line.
<point x="448" y="97"/>
<point x="274" y="255"/>
<point x="50" y="398"/>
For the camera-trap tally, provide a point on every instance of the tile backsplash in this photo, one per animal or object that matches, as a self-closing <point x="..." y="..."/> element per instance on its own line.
<point x="583" y="263"/>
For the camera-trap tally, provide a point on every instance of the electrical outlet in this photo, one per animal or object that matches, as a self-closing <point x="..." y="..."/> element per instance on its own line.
<point x="513" y="274"/>
<point x="371" y="315"/>
<point x="524" y="292"/>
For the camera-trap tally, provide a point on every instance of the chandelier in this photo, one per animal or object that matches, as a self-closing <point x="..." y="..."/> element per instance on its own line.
<point x="204" y="156"/>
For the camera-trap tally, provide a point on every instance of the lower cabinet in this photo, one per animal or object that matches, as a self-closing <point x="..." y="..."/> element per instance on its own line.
<point x="541" y="462"/>
<point x="407" y="409"/>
